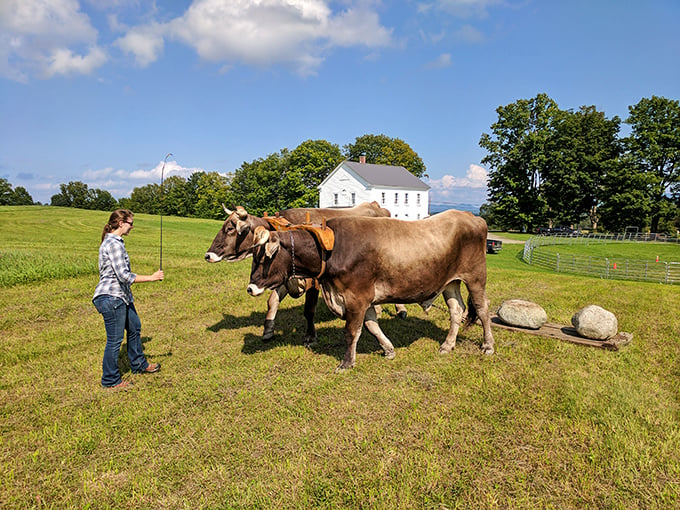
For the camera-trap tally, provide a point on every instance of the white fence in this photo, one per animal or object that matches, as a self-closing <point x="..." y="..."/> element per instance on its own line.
<point x="610" y="268"/>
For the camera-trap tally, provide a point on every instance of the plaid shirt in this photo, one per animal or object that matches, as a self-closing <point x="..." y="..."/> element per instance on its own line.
<point x="115" y="276"/>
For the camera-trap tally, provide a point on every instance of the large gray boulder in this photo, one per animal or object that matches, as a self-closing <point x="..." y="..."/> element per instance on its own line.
<point x="525" y="314"/>
<point x="595" y="322"/>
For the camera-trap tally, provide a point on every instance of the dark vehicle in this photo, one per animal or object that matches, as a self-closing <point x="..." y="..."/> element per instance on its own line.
<point x="493" y="245"/>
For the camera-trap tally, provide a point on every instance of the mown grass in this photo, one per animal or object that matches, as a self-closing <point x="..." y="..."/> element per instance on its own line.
<point x="232" y="422"/>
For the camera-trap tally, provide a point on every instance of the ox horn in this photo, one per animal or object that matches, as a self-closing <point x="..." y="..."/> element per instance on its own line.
<point x="241" y="212"/>
<point x="260" y="236"/>
<point x="226" y="210"/>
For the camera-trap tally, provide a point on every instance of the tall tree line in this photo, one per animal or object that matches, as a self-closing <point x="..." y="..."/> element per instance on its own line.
<point x="13" y="196"/>
<point x="278" y="181"/>
<point x="549" y="166"/>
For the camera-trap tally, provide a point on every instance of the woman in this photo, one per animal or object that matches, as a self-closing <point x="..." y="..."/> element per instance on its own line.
<point x="113" y="299"/>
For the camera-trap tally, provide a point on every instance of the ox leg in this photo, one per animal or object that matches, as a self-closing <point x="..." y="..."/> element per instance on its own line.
<point x="272" y="307"/>
<point x="371" y="323"/>
<point x="353" y="322"/>
<point x="481" y="303"/>
<point x="454" y="301"/>
<point x="311" y="299"/>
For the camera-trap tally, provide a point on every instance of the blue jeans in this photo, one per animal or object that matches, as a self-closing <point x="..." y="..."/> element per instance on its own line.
<point x="119" y="317"/>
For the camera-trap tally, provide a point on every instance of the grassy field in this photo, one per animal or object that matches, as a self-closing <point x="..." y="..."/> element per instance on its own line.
<point x="666" y="252"/>
<point x="232" y="422"/>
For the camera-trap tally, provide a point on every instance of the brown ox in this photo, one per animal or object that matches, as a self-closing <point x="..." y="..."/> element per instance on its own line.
<point x="234" y="242"/>
<point x="384" y="260"/>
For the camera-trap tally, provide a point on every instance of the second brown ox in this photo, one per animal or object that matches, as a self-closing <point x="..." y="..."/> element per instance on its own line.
<point x="384" y="260"/>
<point x="234" y="242"/>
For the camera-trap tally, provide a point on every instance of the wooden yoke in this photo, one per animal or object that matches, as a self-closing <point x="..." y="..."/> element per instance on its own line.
<point x="322" y="233"/>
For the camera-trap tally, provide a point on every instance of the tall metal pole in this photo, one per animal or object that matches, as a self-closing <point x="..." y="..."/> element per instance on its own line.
<point x="162" y="204"/>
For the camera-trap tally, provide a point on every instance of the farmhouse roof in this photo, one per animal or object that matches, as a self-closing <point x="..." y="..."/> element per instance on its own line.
<point x="385" y="175"/>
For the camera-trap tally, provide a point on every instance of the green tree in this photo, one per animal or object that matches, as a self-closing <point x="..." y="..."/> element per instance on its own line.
<point x="101" y="200"/>
<point x="176" y="197"/>
<point x="517" y="160"/>
<point x="654" y="148"/>
<point x="212" y="191"/>
<point x="383" y="150"/>
<point x="5" y="192"/>
<point x="583" y="147"/>
<point x="145" y="199"/>
<point x="257" y="185"/>
<point x="308" y="165"/>
<point x="17" y="196"/>
<point x="625" y="201"/>
<point x="20" y="196"/>
<point x="73" y="194"/>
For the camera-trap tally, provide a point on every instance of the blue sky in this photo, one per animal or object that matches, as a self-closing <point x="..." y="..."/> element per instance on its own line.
<point x="100" y="91"/>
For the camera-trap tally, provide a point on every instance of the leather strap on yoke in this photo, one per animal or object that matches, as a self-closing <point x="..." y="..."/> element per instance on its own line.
<point x="322" y="233"/>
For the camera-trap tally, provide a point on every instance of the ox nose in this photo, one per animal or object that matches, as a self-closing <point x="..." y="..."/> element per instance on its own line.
<point x="254" y="290"/>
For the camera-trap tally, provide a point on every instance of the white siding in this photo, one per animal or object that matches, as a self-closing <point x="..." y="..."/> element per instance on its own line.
<point x="395" y="200"/>
<point x="341" y="186"/>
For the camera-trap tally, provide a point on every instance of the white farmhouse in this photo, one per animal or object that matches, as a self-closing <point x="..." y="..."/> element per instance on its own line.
<point x="393" y="187"/>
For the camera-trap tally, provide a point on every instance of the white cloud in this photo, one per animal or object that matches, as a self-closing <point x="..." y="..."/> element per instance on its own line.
<point x="467" y="8"/>
<point x="64" y="61"/>
<point x="145" y="42"/>
<point x="121" y="182"/>
<point x="296" y="33"/>
<point x="50" y="37"/>
<point x="469" y="34"/>
<point x="42" y="36"/>
<point x="443" y="60"/>
<point x="471" y="188"/>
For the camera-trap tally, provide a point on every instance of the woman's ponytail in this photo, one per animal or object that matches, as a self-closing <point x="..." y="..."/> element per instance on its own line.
<point x="114" y="220"/>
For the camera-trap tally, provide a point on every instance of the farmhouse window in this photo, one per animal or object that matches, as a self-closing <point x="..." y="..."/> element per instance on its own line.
<point x="396" y="198"/>
<point x="335" y="199"/>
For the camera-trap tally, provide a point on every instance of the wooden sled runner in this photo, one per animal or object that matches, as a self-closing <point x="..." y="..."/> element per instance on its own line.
<point x="568" y="334"/>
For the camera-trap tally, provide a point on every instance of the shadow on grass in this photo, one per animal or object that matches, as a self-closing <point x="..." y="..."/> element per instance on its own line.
<point x="124" y="361"/>
<point x="290" y="329"/>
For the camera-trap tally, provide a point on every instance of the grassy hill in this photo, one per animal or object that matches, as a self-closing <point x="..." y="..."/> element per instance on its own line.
<point x="232" y="422"/>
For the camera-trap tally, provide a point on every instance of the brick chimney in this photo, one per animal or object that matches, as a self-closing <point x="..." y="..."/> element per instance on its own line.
<point x="362" y="159"/>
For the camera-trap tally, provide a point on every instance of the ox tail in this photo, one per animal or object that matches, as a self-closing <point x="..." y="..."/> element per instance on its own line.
<point x="471" y="316"/>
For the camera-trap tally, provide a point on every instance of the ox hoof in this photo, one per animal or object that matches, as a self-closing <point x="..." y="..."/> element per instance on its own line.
<point x="342" y="368"/>
<point x="487" y="350"/>
<point x="268" y="333"/>
<point x="403" y="314"/>
<point x="444" y="350"/>
<point x="310" y="342"/>
<point x="390" y="354"/>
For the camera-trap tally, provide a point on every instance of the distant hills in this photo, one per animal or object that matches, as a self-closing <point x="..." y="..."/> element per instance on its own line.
<point x="436" y="208"/>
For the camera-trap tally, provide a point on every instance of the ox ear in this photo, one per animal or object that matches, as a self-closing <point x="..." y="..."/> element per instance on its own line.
<point x="260" y="236"/>
<point x="241" y="212"/>
<point x="241" y="227"/>
<point x="272" y="247"/>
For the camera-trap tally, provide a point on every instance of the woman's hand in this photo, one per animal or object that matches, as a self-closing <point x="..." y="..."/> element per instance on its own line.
<point x="157" y="276"/>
